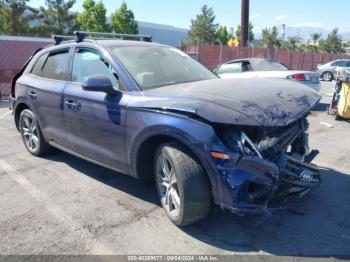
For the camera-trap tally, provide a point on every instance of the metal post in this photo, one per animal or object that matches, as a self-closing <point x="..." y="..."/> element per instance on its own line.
<point x="253" y="47"/>
<point x="244" y="22"/>
<point x="218" y="40"/>
<point x="198" y="49"/>
<point x="276" y="52"/>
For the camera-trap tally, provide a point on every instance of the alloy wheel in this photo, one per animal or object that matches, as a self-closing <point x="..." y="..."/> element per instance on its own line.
<point x="168" y="187"/>
<point x="30" y="133"/>
<point x="327" y="76"/>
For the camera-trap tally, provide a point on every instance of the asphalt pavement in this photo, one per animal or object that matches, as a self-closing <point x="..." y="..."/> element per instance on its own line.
<point x="60" y="204"/>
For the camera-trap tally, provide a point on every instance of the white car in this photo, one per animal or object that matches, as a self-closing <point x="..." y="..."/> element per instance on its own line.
<point x="263" y="68"/>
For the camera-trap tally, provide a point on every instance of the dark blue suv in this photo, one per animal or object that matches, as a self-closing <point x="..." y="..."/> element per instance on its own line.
<point x="151" y="111"/>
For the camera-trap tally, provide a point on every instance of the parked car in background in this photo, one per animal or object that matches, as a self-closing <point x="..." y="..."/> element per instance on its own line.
<point x="328" y="71"/>
<point x="263" y="68"/>
<point x="151" y="111"/>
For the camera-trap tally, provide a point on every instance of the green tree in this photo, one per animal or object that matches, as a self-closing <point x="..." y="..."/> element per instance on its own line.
<point x="292" y="43"/>
<point x="13" y="21"/>
<point x="333" y="43"/>
<point x="311" y="48"/>
<point x="5" y="26"/>
<point x="270" y="38"/>
<point x="203" y="28"/>
<point x="251" y="35"/>
<point x="223" y="35"/>
<point x="93" y="17"/>
<point x="56" y="17"/>
<point x="123" y="21"/>
<point x="315" y="37"/>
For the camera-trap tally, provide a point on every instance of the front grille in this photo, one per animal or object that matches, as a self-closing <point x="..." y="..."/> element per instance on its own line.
<point x="301" y="174"/>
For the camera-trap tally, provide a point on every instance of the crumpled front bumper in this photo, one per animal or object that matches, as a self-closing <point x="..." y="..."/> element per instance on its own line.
<point x="255" y="185"/>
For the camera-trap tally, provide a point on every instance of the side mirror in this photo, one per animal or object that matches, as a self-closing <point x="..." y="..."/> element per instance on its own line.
<point x="99" y="83"/>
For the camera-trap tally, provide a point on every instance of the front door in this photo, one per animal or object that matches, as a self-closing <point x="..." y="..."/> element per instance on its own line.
<point x="96" y="120"/>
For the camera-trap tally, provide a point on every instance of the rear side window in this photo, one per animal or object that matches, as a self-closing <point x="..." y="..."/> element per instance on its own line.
<point x="38" y="65"/>
<point x="230" y="68"/>
<point x="56" y="65"/>
<point x="340" y="63"/>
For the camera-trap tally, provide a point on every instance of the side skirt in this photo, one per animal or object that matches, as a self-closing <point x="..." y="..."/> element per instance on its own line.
<point x="71" y="152"/>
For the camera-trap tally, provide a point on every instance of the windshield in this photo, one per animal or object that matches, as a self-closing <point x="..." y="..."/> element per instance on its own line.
<point x="266" y="65"/>
<point x="156" y="66"/>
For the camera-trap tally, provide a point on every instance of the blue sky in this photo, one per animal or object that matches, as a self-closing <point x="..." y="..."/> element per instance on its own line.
<point x="263" y="13"/>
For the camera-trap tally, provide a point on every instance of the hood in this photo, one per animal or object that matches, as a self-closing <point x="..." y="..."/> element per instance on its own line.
<point x="264" y="102"/>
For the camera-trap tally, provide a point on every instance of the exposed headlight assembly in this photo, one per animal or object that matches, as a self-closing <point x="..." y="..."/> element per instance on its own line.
<point x="247" y="146"/>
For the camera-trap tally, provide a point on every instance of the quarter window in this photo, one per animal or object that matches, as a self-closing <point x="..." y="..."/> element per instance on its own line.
<point x="87" y="63"/>
<point x="56" y="65"/>
<point x="38" y="65"/>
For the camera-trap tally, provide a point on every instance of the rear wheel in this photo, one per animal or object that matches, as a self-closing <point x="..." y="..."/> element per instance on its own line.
<point x="182" y="185"/>
<point x="327" y="76"/>
<point x="31" y="133"/>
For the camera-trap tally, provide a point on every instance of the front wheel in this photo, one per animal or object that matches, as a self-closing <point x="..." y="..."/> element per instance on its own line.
<point x="31" y="134"/>
<point x="182" y="184"/>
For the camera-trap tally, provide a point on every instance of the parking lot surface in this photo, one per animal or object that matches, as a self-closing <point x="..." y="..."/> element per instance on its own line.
<point x="60" y="204"/>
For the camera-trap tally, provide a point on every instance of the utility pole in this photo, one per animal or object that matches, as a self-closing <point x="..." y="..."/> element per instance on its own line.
<point x="284" y="31"/>
<point x="244" y="22"/>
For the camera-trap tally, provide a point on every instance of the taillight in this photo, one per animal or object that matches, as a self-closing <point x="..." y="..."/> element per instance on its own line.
<point x="298" y="77"/>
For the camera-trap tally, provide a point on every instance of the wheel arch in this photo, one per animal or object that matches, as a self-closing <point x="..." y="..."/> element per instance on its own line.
<point x="20" y="106"/>
<point x="142" y="156"/>
<point x="18" y="110"/>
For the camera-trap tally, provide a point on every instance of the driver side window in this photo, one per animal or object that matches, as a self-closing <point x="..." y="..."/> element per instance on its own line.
<point x="88" y="62"/>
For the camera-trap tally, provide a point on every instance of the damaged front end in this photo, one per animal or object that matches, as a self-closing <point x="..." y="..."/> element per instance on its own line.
<point x="268" y="165"/>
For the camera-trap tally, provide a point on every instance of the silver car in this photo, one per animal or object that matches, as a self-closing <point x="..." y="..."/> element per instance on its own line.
<point x="328" y="71"/>
<point x="256" y="68"/>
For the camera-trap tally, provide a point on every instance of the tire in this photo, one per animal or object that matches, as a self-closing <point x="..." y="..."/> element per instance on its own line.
<point x="31" y="134"/>
<point x="193" y="200"/>
<point x="338" y="117"/>
<point x="327" y="76"/>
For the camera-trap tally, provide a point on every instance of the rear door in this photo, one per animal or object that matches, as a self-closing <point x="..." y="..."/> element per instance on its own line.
<point x="48" y="80"/>
<point x="96" y="120"/>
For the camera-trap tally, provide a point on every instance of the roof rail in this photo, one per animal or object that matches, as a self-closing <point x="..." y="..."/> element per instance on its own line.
<point x="97" y="36"/>
<point x="60" y="38"/>
<point x="79" y="36"/>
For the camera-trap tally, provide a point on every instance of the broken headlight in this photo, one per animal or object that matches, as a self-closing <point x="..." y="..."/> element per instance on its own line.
<point x="247" y="146"/>
<point x="238" y="140"/>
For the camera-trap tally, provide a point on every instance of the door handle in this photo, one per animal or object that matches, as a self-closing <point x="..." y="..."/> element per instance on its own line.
<point x="32" y="95"/>
<point x="72" y="105"/>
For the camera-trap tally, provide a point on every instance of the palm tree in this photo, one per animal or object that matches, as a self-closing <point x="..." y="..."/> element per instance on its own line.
<point x="292" y="43"/>
<point x="315" y="37"/>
